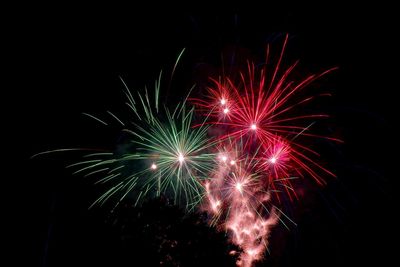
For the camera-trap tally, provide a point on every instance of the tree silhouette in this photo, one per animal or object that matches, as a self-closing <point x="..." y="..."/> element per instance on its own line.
<point x="161" y="234"/>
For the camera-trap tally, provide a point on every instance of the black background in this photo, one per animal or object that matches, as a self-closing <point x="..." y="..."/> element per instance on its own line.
<point x="69" y="60"/>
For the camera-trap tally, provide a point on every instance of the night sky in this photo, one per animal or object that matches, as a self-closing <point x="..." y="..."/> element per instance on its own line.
<point x="68" y="61"/>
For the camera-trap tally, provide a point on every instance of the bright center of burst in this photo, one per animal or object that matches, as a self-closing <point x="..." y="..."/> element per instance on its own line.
<point x="226" y="110"/>
<point x="239" y="187"/>
<point x="251" y="252"/>
<point x="181" y="158"/>
<point x="224" y="158"/>
<point x="272" y="160"/>
<point x="223" y="101"/>
<point x="232" y="162"/>
<point x="253" y="127"/>
<point x="153" y="166"/>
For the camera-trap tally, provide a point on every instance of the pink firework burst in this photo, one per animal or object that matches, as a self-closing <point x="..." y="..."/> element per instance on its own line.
<point x="239" y="201"/>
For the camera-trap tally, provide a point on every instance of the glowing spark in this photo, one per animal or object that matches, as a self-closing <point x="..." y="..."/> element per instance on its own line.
<point x="272" y="160"/>
<point x="226" y="110"/>
<point x="251" y="252"/>
<point x="223" y="101"/>
<point x="232" y="162"/>
<point x="153" y="166"/>
<point x="224" y="158"/>
<point x="215" y="205"/>
<point x="239" y="187"/>
<point x="253" y="127"/>
<point x="181" y="158"/>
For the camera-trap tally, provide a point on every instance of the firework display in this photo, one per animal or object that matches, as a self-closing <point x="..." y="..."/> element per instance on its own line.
<point x="234" y="152"/>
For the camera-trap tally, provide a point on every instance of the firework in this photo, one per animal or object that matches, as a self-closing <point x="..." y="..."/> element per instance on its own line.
<point x="258" y="108"/>
<point x="162" y="154"/>
<point x="259" y="132"/>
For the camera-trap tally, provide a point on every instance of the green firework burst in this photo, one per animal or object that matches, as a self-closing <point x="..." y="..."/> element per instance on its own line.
<point x="162" y="154"/>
